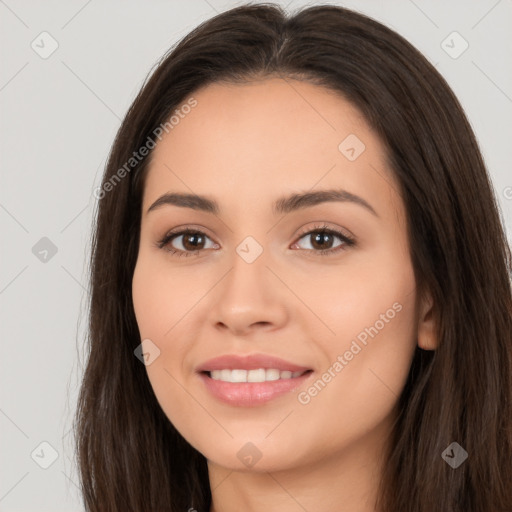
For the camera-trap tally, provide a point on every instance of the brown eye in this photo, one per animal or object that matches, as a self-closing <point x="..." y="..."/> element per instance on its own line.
<point x="322" y="240"/>
<point x="192" y="241"/>
<point x="185" y="242"/>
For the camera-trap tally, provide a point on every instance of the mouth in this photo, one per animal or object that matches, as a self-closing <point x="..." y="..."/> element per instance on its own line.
<point x="233" y="387"/>
<point x="251" y="380"/>
<point x="256" y="375"/>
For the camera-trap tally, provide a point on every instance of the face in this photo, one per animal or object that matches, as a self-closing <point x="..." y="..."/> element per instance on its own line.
<point x="324" y="284"/>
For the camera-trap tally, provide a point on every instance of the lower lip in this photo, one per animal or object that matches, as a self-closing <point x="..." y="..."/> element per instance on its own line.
<point x="250" y="394"/>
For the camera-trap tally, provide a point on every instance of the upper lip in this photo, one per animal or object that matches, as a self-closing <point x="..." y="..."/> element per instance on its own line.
<point x="249" y="362"/>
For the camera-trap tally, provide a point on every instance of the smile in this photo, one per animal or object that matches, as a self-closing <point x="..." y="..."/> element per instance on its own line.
<point x="248" y="380"/>
<point x="258" y="375"/>
<point x="245" y="393"/>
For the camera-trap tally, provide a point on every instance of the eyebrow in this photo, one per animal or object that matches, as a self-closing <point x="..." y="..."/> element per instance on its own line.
<point x="282" y="205"/>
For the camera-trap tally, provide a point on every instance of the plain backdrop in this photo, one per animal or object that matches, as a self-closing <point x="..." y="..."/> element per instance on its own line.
<point x="59" y="114"/>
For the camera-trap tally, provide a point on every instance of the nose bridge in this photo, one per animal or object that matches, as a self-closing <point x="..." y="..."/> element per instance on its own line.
<point x="246" y="295"/>
<point x="249" y="271"/>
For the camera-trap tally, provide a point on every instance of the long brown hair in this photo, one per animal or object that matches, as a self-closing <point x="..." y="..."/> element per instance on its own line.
<point x="130" y="456"/>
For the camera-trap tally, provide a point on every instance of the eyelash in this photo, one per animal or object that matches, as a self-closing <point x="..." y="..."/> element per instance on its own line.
<point x="347" y="241"/>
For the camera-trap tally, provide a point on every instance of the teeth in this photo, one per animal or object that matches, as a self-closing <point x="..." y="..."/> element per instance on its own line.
<point x="259" y="375"/>
<point x="238" y="375"/>
<point x="256" y="375"/>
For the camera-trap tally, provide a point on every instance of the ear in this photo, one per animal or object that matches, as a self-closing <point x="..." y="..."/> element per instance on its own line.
<point x="427" y="339"/>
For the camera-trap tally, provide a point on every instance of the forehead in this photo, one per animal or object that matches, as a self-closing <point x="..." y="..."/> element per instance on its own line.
<point x="266" y="138"/>
<point x="266" y="119"/>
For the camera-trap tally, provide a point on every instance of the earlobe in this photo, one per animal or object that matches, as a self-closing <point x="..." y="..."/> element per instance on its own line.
<point x="427" y="337"/>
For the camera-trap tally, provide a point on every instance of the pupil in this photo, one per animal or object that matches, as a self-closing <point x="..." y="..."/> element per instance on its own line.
<point x="189" y="237"/>
<point x="321" y="238"/>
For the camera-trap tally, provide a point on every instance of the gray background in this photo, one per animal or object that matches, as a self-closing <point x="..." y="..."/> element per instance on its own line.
<point x="59" y="116"/>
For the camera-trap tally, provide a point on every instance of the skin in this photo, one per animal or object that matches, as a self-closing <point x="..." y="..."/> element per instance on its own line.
<point x="244" y="146"/>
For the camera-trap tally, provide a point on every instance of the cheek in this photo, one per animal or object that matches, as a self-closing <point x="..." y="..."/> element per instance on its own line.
<point x="367" y="371"/>
<point x="373" y="316"/>
<point x="158" y="307"/>
<point x="352" y="298"/>
<point x="161" y="315"/>
<point x="158" y="296"/>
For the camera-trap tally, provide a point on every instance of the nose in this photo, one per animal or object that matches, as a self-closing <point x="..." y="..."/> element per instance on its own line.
<point x="250" y="298"/>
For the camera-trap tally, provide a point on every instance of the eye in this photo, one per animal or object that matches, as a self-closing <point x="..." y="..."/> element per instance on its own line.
<point x="322" y="239"/>
<point x="192" y="242"/>
<point x="189" y="242"/>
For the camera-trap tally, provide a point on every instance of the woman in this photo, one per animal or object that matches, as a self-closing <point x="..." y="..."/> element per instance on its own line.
<point x="301" y="291"/>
